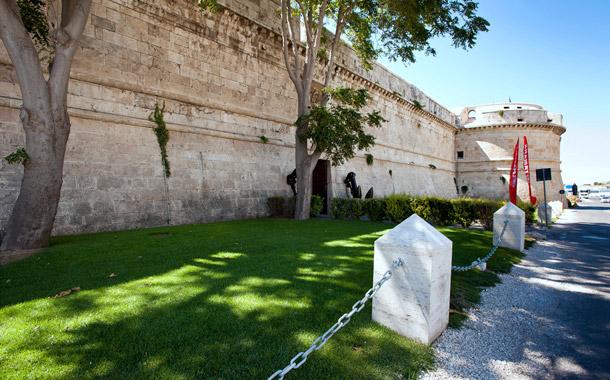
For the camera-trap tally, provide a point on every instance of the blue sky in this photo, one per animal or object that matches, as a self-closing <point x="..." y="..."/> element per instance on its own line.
<point x="554" y="53"/>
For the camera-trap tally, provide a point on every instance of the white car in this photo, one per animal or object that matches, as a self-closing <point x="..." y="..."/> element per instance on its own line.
<point x="605" y="198"/>
<point x="594" y="194"/>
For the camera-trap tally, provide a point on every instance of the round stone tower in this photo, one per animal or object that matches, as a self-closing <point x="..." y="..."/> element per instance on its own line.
<point x="485" y="142"/>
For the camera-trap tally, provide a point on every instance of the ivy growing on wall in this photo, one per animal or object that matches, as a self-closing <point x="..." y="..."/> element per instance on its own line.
<point x="18" y="157"/>
<point x="162" y="134"/>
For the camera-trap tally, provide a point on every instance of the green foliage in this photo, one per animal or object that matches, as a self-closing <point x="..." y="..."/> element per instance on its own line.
<point x="340" y="208"/>
<point x="503" y="179"/>
<point x="369" y="159"/>
<point x="212" y="5"/>
<point x="338" y="130"/>
<point x="162" y="134"/>
<point x="280" y="206"/>
<point x="289" y="207"/>
<point x="264" y="139"/>
<point x="457" y="188"/>
<point x="357" y="209"/>
<point x="440" y="211"/>
<point x="417" y="104"/>
<point x="35" y="20"/>
<point x="398" y="29"/>
<point x="398" y="207"/>
<point x="432" y="166"/>
<point x="375" y="209"/>
<point x="529" y="209"/>
<point x="396" y="93"/>
<point x="276" y="205"/>
<point x="464" y="212"/>
<point x="390" y="172"/>
<point x="484" y="211"/>
<point x="18" y="157"/>
<point x="464" y="189"/>
<point x="316" y="205"/>
<point x="501" y="113"/>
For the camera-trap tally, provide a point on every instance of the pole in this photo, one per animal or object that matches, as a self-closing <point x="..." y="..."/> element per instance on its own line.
<point x="546" y="213"/>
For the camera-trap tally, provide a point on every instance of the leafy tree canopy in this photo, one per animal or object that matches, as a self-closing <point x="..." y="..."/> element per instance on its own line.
<point x="398" y="28"/>
<point x="338" y="129"/>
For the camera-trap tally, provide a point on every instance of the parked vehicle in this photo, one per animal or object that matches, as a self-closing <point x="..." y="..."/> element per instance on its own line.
<point x="594" y="194"/>
<point x="584" y="193"/>
<point x="605" y="198"/>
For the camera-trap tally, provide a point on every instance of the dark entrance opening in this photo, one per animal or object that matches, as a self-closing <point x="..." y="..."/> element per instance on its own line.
<point x="319" y="182"/>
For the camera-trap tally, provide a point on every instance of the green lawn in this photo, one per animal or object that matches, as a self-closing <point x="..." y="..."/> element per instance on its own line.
<point x="232" y="300"/>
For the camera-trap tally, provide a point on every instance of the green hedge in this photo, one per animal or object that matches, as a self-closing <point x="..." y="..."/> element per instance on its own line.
<point x="442" y="212"/>
<point x="280" y="206"/>
<point x="398" y="207"/>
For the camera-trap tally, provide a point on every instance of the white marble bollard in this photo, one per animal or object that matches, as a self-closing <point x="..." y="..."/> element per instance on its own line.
<point x="557" y="208"/>
<point x="550" y="214"/>
<point x="514" y="236"/>
<point x="415" y="301"/>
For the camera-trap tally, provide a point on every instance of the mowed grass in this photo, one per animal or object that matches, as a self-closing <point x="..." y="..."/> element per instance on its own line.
<point x="231" y="300"/>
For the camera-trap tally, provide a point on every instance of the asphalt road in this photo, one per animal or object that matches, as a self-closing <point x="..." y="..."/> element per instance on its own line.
<point x="579" y="275"/>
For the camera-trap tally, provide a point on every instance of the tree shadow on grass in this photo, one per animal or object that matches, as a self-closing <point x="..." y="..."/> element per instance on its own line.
<point x="223" y="301"/>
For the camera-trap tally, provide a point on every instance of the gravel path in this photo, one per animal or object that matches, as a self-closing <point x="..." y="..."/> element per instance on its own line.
<point x="512" y="333"/>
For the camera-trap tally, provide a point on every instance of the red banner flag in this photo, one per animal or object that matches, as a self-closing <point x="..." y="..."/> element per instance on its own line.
<point x="526" y="167"/>
<point x="512" y="185"/>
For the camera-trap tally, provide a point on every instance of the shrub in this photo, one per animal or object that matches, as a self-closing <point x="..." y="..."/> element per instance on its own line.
<point x="398" y="207"/>
<point x="529" y="209"/>
<point x="484" y="211"/>
<point x="375" y="209"/>
<point x="317" y="204"/>
<point x="441" y="211"/>
<point x="340" y="208"/>
<point x="357" y="209"/>
<point x="289" y="207"/>
<point x="421" y="207"/>
<point x="276" y="205"/>
<point x="464" y="211"/>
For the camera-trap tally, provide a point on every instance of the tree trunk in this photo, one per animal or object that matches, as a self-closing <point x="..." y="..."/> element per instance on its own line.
<point x="31" y="221"/>
<point x="44" y="115"/>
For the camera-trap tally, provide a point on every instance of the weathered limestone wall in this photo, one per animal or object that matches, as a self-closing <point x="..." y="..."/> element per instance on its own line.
<point x="223" y="80"/>
<point x="488" y="155"/>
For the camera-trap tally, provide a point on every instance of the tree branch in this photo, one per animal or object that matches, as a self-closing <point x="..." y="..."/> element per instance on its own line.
<point x="22" y="52"/>
<point x="341" y="19"/>
<point x="74" y="16"/>
<point x="287" y="39"/>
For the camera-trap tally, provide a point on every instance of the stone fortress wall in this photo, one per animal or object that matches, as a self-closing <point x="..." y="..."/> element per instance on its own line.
<point x="223" y="81"/>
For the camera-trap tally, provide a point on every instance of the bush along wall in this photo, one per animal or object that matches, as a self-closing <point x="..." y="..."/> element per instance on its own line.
<point x="438" y="211"/>
<point x="282" y="207"/>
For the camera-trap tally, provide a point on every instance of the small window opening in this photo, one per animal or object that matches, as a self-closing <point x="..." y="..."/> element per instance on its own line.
<point x="520" y="120"/>
<point x="472" y="114"/>
<point x="549" y="121"/>
<point x="519" y="108"/>
<point x="460" y="155"/>
<point x="506" y="108"/>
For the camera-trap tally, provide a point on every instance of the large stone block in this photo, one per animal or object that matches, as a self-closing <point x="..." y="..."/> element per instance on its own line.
<point x="415" y="301"/>
<point x="514" y="236"/>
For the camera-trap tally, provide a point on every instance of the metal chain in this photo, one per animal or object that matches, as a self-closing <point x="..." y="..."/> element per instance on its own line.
<point x="480" y="261"/>
<point x="301" y="357"/>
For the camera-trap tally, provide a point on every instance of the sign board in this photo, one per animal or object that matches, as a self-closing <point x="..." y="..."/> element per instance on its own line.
<point x="543" y="174"/>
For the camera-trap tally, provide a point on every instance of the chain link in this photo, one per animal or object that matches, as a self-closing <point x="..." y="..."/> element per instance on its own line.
<point x="344" y="320"/>
<point x="480" y="261"/>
